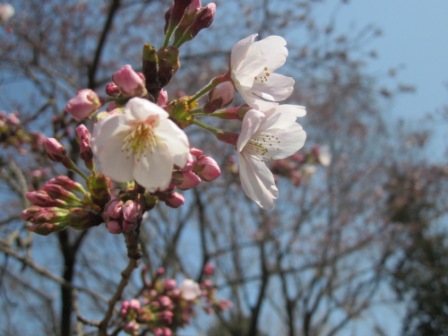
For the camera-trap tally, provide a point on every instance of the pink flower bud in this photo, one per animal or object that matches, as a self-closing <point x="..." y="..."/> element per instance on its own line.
<point x="40" y="215"/>
<point x="161" y="271"/>
<point x="165" y="301"/>
<point x="131" y="327"/>
<point x="57" y="192"/>
<point x="85" y="150"/>
<point x="203" y="19"/>
<point x="134" y="304"/>
<point x="220" y="96"/>
<point x="162" y="100"/>
<point x="114" y="227"/>
<point x="209" y="269"/>
<point x="207" y="168"/>
<point x="54" y="149"/>
<point x="113" y="209"/>
<point x="132" y="211"/>
<point x="185" y="180"/>
<point x="130" y="82"/>
<point x="225" y="304"/>
<point x="67" y="183"/>
<point x="12" y="119"/>
<point x="112" y="89"/>
<point x="124" y="308"/>
<point x="41" y="198"/>
<point x="174" y="200"/>
<point x="162" y="331"/>
<point x="169" y="284"/>
<point x="83" y="104"/>
<point x="166" y="316"/>
<point x="195" y="152"/>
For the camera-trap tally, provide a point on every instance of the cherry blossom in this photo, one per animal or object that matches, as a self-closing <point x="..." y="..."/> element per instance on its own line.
<point x="141" y="143"/>
<point x="266" y="136"/>
<point x="189" y="289"/>
<point x="252" y="71"/>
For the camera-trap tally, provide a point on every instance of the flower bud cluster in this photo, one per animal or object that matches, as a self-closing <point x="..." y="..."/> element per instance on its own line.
<point x="122" y="216"/>
<point x="164" y="306"/>
<point x="301" y="167"/>
<point x="13" y="134"/>
<point x="60" y="203"/>
<point x="198" y="167"/>
<point x="184" y="20"/>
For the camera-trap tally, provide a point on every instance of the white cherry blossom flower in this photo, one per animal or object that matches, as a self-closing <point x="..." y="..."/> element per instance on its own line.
<point x="252" y="67"/>
<point x="6" y="11"/>
<point x="324" y="155"/>
<point x="271" y="135"/>
<point x="141" y="143"/>
<point x="189" y="289"/>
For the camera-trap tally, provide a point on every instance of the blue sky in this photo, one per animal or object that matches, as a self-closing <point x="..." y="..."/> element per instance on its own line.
<point x="415" y="37"/>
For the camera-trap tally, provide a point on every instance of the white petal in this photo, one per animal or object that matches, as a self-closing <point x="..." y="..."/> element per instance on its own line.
<point x="140" y="109"/>
<point x="189" y="289"/>
<point x="251" y="122"/>
<point x="176" y="141"/>
<point x="153" y="171"/>
<point x="288" y="109"/>
<point x="114" y="162"/>
<point x="277" y="87"/>
<point x="257" y="181"/>
<point x="108" y="128"/>
<point x="290" y="141"/>
<point x="239" y="50"/>
<point x="273" y="50"/>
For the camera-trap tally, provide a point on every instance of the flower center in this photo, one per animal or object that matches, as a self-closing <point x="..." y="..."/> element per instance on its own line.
<point x="263" y="76"/>
<point x="260" y="146"/>
<point x="141" y="137"/>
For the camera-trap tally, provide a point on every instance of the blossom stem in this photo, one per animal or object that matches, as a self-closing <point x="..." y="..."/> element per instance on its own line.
<point x="211" y="85"/>
<point x="207" y="127"/>
<point x="75" y="168"/>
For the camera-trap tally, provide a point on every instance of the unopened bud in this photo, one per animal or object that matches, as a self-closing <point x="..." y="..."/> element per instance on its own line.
<point x="41" y="198"/>
<point x="209" y="269"/>
<point x="132" y="211"/>
<point x="114" y="227"/>
<point x="67" y="183"/>
<point x="85" y="150"/>
<point x="162" y="99"/>
<point x="83" y="104"/>
<point x="80" y="218"/>
<point x="185" y="180"/>
<point x="112" y="89"/>
<point x="55" y="151"/>
<point x="220" y="96"/>
<point x="99" y="187"/>
<point x="130" y="82"/>
<point x="203" y="19"/>
<point x="113" y="209"/>
<point x="57" y="192"/>
<point x="174" y="200"/>
<point x="207" y="168"/>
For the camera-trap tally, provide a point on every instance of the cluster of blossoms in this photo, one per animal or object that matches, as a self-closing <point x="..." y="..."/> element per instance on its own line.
<point x="301" y="167"/>
<point x="138" y="153"/>
<point x="162" y="306"/>
<point x="139" y="140"/>
<point x="13" y="134"/>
